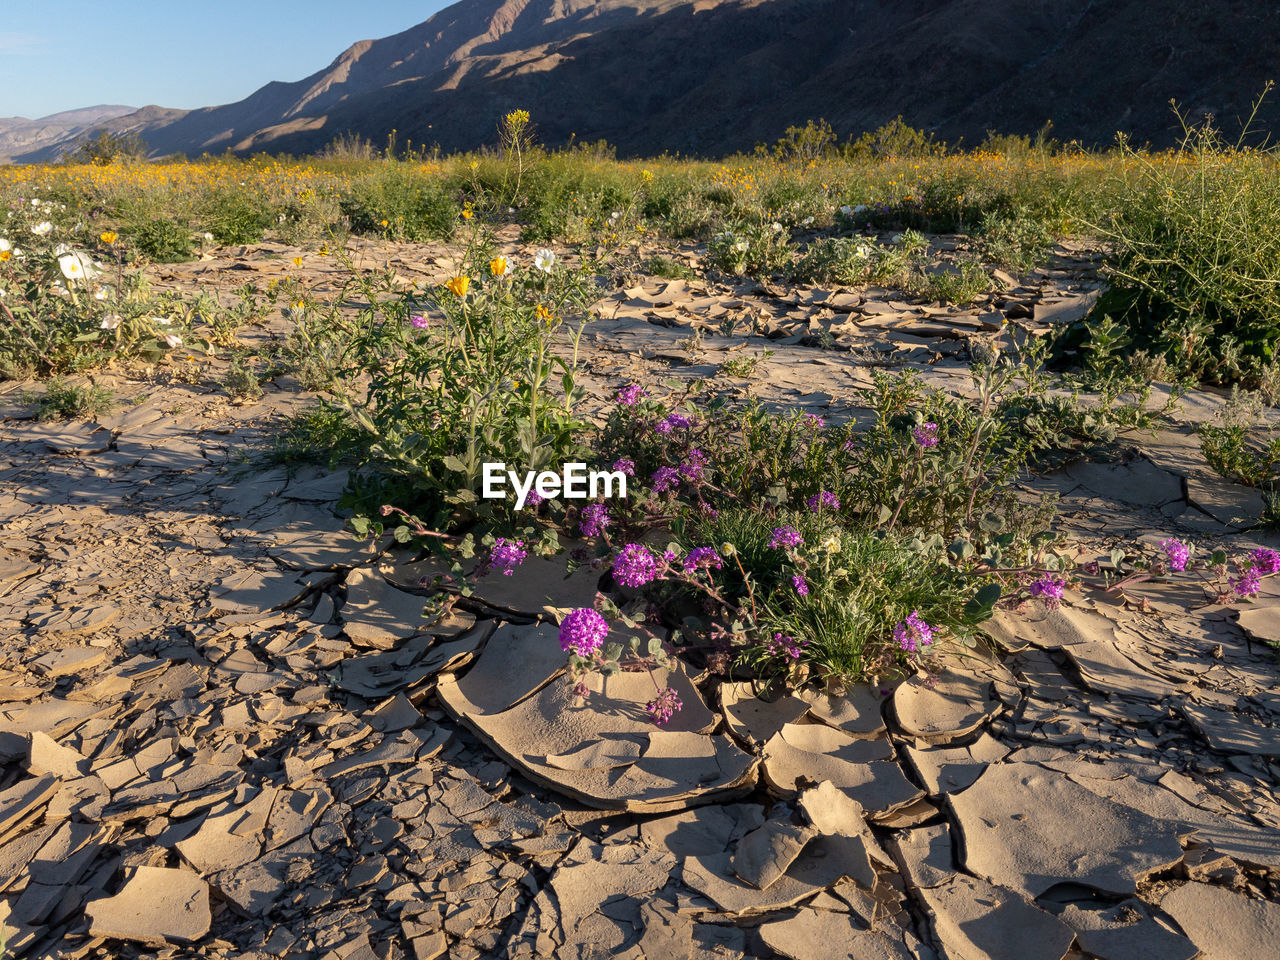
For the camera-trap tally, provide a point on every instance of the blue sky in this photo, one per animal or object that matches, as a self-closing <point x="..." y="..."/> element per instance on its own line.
<point x="176" y="53"/>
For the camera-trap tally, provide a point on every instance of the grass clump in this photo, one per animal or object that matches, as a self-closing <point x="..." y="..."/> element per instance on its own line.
<point x="70" y="401"/>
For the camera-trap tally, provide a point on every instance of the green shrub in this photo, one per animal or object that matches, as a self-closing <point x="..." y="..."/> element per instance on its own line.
<point x="162" y="240"/>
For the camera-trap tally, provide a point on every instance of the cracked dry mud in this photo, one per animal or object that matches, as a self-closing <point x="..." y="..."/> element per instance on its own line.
<point x="226" y="731"/>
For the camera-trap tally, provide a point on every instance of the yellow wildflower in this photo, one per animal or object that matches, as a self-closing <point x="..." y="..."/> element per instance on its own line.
<point x="297" y="261"/>
<point x="459" y="286"/>
<point x="5" y="255"/>
<point x="109" y="237"/>
<point x="542" y="313"/>
<point x="498" y="267"/>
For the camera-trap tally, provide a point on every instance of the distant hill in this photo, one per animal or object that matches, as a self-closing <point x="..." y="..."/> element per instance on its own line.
<point x="18" y="135"/>
<point x="711" y="77"/>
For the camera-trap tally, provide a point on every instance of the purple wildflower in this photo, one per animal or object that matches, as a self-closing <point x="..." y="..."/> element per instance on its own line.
<point x="662" y="426"/>
<point x="506" y="555"/>
<point x="1266" y="560"/>
<point x="785" y="537"/>
<point x="534" y="499"/>
<point x="594" y="519"/>
<point x="786" y="646"/>
<point x="824" y="499"/>
<point x="1177" y="552"/>
<point x="925" y="435"/>
<point x="665" y="478"/>
<point x="582" y="631"/>
<point x="1248" y="583"/>
<point x="625" y="466"/>
<point x="664" y="706"/>
<point x="419" y="321"/>
<point x="814" y="421"/>
<point x="629" y="395"/>
<point x="692" y="467"/>
<point x="849" y="446"/>
<point x="801" y="585"/>
<point x="702" y="558"/>
<point x="679" y="421"/>
<point x="635" y="566"/>
<point x="913" y="633"/>
<point x="1049" y="589"/>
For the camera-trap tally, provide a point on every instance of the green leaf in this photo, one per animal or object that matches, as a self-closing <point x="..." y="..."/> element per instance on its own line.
<point x="402" y="534"/>
<point x="961" y="549"/>
<point x="611" y="651"/>
<point x="454" y="464"/>
<point x="1117" y="557"/>
<point x="655" y="645"/>
<point x="360" y="525"/>
<point x="991" y="523"/>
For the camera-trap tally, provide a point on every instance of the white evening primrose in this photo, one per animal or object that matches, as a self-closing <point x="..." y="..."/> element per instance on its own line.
<point x="544" y="260"/>
<point x="5" y="246"/>
<point x="42" y="229"/>
<point x="173" y="340"/>
<point x="110" y="323"/>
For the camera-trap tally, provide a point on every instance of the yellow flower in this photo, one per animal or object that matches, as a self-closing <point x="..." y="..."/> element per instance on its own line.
<point x="5" y="255"/>
<point x="542" y="313"/>
<point x="297" y="261"/>
<point x="498" y="266"/>
<point x="459" y="286"/>
<point x="646" y="175"/>
<point x="385" y="223"/>
<point x="467" y="213"/>
<point x="109" y="237"/>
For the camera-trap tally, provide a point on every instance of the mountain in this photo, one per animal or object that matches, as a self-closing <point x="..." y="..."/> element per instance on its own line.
<point x="710" y="77"/>
<point x="19" y="135"/>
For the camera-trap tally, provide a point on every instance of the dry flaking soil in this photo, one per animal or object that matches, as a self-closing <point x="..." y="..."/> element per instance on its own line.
<point x="225" y="730"/>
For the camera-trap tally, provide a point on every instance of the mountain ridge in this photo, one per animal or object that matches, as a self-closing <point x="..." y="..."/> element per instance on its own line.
<point x="712" y="77"/>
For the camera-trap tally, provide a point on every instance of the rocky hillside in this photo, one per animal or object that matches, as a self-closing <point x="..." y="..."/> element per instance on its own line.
<point x="18" y="135"/>
<point x="713" y="76"/>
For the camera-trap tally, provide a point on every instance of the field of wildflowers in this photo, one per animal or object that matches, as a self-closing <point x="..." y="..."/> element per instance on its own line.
<point x="755" y="543"/>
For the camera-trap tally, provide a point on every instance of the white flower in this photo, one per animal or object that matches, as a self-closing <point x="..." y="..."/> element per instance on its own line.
<point x="207" y="237"/>
<point x="847" y="211"/>
<point x="831" y="544"/>
<point x="42" y="229"/>
<point x="863" y="252"/>
<point x="173" y="340"/>
<point x="806" y="221"/>
<point x="163" y="321"/>
<point x="102" y="293"/>
<point x="110" y="323"/>
<point x="776" y="227"/>
<point x="77" y="266"/>
<point x="740" y="246"/>
<point x="544" y="260"/>
<point x="4" y="246"/>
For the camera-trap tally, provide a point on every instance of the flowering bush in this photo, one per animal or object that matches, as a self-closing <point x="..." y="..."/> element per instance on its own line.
<point x="67" y="302"/>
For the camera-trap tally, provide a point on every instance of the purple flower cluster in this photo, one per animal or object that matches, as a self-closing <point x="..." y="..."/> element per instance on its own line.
<point x="814" y="421"/>
<point x="1266" y="560"/>
<point x="676" y="421"/>
<point x="594" y="520"/>
<point x="692" y="467"/>
<point x="582" y="631"/>
<point x="702" y="558"/>
<point x="625" y="466"/>
<point x="913" y="633"/>
<point x="1177" y="552"/>
<point x="629" y="395"/>
<point x="665" y="478"/>
<point x="824" y="499"/>
<point x="506" y="555"/>
<point x="1248" y="583"/>
<point x="1049" y="589"/>
<point x="801" y="585"/>
<point x="664" y="706"/>
<point x="925" y="435"/>
<point x="781" y="644"/>
<point x="785" y="537"/>
<point x="534" y="499"/>
<point x="635" y="566"/>
<point x="419" y="321"/>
